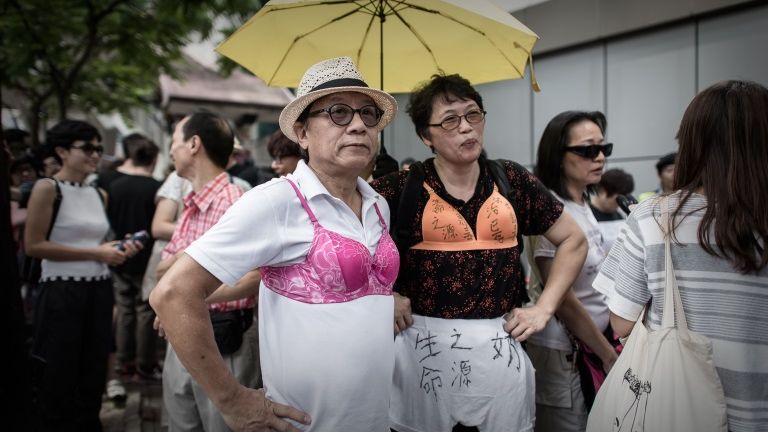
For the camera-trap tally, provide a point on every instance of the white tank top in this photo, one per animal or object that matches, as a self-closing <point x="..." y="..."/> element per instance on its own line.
<point x="80" y="223"/>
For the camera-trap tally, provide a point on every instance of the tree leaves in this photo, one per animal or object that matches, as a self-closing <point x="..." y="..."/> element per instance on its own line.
<point x="101" y="55"/>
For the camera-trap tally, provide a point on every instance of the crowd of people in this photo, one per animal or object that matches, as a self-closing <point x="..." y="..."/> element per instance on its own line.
<point x="457" y="293"/>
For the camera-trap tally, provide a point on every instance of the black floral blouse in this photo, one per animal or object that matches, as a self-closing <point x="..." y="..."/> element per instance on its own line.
<point x="473" y="283"/>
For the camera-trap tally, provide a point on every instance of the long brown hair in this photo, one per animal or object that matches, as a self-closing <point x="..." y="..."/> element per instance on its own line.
<point x="723" y="141"/>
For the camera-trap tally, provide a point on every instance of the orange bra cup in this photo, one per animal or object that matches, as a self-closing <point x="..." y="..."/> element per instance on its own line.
<point x="443" y="223"/>
<point x="497" y="220"/>
<point x="444" y="228"/>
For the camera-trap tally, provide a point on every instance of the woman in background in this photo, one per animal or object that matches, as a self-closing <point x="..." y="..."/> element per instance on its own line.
<point x="571" y="158"/>
<point x="720" y="226"/>
<point x="284" y="152"/>
<point x="73" y="323"/>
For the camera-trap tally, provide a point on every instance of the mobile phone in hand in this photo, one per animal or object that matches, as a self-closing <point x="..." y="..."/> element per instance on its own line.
<point x="139" y="237"/>
<point x="625" y="201"/>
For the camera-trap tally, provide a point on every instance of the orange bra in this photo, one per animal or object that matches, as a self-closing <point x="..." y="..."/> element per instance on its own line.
<point x="443" y="228"/>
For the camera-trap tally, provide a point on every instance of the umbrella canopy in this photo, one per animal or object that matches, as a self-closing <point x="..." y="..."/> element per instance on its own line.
<point x="395" y="43"/>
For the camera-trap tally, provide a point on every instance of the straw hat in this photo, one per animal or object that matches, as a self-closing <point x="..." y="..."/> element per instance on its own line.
<point x="333" y="76"/>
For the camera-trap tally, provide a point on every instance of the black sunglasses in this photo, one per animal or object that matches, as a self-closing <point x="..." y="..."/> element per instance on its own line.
<point x="342" y="114"/>
<point x="591" y="151"/>
<point x="89" y="148"/>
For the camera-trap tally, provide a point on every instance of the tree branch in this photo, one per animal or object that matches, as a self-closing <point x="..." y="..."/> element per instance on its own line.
<point x="55" y="71"/>
<point x="91" y="38"/>
<point x="109" y="9"/>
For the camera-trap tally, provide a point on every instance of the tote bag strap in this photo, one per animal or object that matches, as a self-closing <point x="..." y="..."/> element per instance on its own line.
<point x="673" y="305"/>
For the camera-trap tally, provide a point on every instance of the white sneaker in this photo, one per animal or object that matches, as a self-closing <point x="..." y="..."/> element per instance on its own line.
<point x="116" y="392"/>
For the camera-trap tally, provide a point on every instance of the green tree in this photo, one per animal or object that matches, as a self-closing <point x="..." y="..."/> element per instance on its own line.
<point x="100" y="55"/>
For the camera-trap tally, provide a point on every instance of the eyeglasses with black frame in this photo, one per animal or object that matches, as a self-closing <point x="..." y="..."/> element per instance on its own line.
<point x="89" y="148"/>
<point x="342" y="114"/>
<point x="453" y="121"/>
<point x="591" y="151"/>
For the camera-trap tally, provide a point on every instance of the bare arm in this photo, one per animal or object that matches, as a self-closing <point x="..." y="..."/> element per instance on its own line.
<point x="247" y="286"/>
<point x="15" y="193"/>
<point x="39" y="214"/>
<point x="179" y="300"/>
<point x="622" y="327"/>
<point x="164" y="221"/>
<point x="165" y="264"/>
<point x="571" y="251"/>
<point x="578" y="321"/>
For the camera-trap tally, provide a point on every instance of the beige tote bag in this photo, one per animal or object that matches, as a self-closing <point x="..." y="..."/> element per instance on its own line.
<point x="664" y="380"/>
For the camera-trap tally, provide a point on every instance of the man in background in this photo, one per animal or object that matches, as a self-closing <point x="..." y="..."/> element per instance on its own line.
<point x="665" y="169"/>
<point x="200" y="148"/>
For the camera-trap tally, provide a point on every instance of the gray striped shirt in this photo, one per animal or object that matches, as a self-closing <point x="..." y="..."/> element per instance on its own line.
<point x="728" y="307"/>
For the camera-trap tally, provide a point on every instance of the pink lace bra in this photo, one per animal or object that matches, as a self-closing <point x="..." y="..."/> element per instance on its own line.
<point x="336" y="269"/>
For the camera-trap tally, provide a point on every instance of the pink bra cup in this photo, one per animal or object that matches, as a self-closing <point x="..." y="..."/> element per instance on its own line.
<point x="336" y="269"/>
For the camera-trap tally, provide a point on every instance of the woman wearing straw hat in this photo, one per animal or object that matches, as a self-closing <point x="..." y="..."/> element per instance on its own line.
<point x="320" y="238"/>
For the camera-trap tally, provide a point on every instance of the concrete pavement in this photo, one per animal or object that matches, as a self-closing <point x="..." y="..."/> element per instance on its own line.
<point x="142" y="411"/>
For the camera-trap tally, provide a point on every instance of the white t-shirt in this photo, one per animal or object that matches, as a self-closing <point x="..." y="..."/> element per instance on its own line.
<point x="333" y="361"/>
<point x="554" y="334"/>
<point x="610" y="231"/>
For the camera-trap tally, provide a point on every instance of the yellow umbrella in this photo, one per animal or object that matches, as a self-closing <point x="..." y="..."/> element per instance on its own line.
<point x="395" y="43"/>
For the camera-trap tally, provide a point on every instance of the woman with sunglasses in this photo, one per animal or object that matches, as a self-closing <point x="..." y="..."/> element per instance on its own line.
<point x="319" y="237"/>
<point x="66" y="228"/>
<point x="571" y="158"/>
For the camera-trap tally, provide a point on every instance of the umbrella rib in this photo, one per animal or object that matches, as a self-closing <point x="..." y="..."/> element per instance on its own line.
<point x="418" y="36"/>
<point x="302" y="5"/>
<point x="301" y="36"/>
<point x="432" y="11"/>
<point x="365" y="37"/>
<point x="365" y="5"/>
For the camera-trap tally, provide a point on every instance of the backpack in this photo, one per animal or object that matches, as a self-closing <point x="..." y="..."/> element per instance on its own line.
<point x="31" y="269"/>
<point x="406" y="207"/>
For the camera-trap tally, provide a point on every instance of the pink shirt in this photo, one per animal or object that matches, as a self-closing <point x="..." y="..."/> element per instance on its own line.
<point x="202" y="210"/>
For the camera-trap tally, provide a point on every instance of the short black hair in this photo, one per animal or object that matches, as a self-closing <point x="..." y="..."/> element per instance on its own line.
<point x="448" y="87"/>
<point x="66" y="132"/>
<point x="15" y="135"/>
<point x="280" y="146"/>
<point x="30" y="160"/>
<point x="385" y="164"/>
<point x="215" y="134"/>
<point x="665" y="161"/>
<point x="140" y="149"/>
<point x="616" y="182"/>
<point x="549" y="157"/>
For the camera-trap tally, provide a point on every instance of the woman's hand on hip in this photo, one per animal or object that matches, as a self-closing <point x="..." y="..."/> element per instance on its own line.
<point x="403" y="314"/>
<point x="524" y="322"/>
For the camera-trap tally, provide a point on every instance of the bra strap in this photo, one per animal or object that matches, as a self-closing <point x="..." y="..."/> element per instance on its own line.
<point x="303" y="201"/>
<point x="381" y="218"/>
